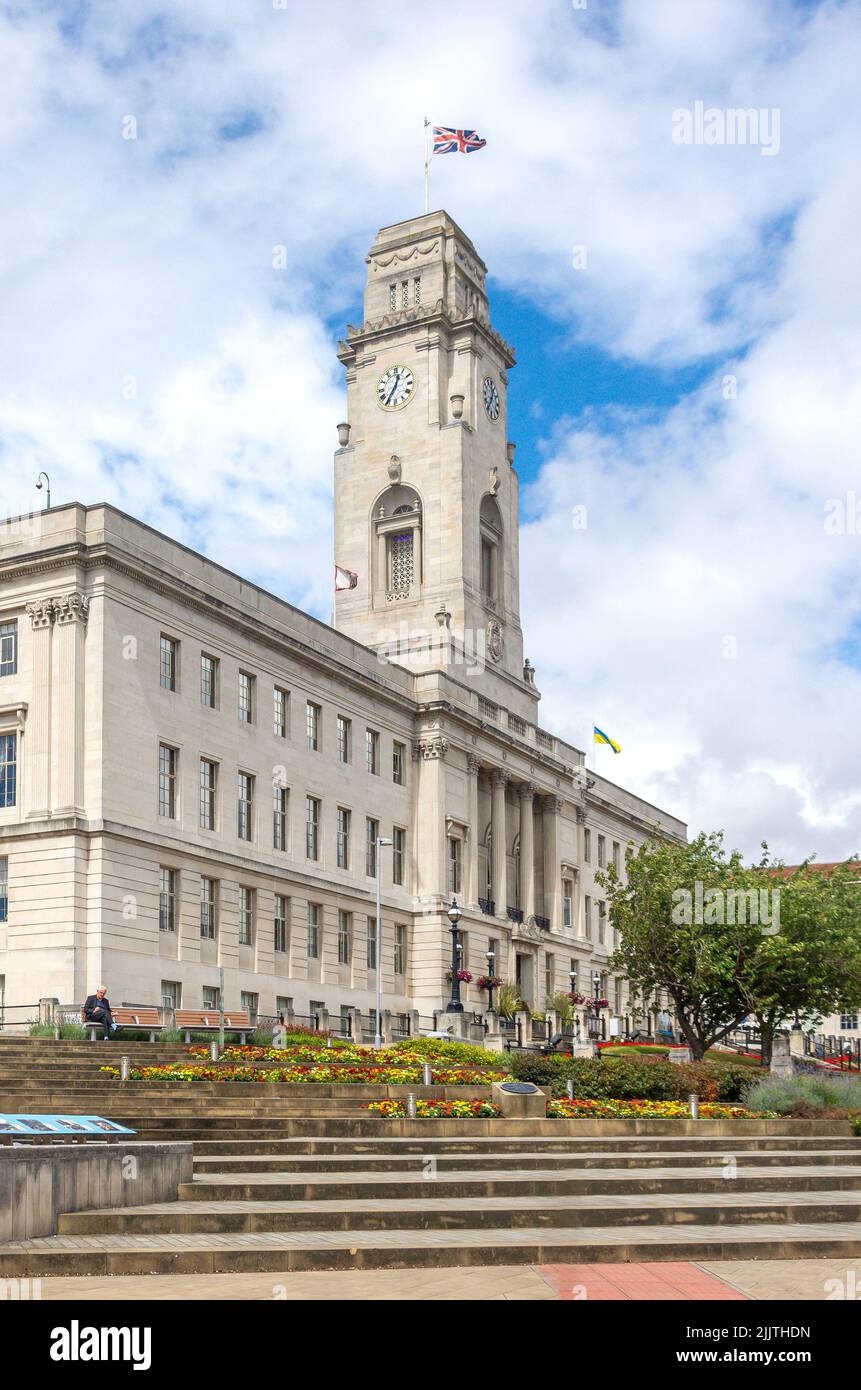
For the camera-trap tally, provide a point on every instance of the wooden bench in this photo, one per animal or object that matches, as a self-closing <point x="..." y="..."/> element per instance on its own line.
<point x="207" y="1021"/>
<point x="145" y="1019"/>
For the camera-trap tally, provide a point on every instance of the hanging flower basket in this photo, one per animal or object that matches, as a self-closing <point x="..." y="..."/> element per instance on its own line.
<point x="489" y="982"/>
<point x="463" y="975"/>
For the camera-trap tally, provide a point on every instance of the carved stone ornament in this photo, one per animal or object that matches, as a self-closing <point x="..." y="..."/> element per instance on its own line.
<point x="431" y="746"/>
<point x="493" y="481"/>
<point x="414" y="253"/>
<point x="494" y="639"/>
<point x="394" y="469"/>
<point x="59" y="608"/>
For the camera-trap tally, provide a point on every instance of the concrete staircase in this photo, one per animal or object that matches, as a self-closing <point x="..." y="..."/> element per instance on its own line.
<point x="311" y="1181"/>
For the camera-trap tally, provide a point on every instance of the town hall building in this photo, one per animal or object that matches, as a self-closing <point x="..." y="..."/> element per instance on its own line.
<point x="194" y="774"/>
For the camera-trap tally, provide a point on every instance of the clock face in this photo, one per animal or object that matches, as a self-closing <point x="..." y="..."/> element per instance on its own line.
<point x="395" y="387"/>
<point x="491" y="398"/>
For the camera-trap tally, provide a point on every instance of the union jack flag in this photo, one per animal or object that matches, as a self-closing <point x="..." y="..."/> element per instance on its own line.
<point x="448" y="141"/>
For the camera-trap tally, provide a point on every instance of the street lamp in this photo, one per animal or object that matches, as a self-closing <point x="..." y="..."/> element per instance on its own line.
<point x="491" y="971"/>
<point x="46" y="484"/>
<point x="454" y="1005"/>
<point x="596" y="995"/>
<point x="378" y="1037"/>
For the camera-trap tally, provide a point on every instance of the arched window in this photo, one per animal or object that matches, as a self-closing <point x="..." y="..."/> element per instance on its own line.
<point x="490" y="528"/>
<point x="398" y="555"/>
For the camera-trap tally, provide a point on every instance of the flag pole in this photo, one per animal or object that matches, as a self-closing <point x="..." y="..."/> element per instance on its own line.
<point x="427" y="165"/>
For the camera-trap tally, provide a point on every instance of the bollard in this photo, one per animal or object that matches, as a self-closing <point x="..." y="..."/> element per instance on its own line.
<point x="328" y="1042"/>
<point x="427" y="1074"/>
<point x="213" y="1051"/>
<point x="569" y="1089"/>
<point x="125" y="1068"/>
<point x="694" y="1102"/>
<point x="56" y="1032"/>
<point x="411" y="1105"/>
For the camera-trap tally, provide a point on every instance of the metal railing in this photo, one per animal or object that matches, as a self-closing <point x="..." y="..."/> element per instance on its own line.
<point x="17" y="1016"/>
<point x="844" y="1053"/>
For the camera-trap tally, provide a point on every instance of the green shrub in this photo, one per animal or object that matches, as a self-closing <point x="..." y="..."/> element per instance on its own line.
<point x="629" y="1078"/>
<point x="453" y="1053"/>
<point x="855" y="1122"/>
<point x="72" y="1032"/>
<point x="805" y="1095"/>
<point x="41" y="1030"/>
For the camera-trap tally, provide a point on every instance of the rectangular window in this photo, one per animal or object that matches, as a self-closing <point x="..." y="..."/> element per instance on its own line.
<point x="281" y="923"/>
<point x="249" y="1002"/>
<point x="372" y="751"/>
<point x="169" y="654"/>
<point x="587" y="845"/>
<point x="167" y="900"/>
<point x="171" y="994"/>
<point x="312" y="726"/>
<point x="399" y="763"/>
<point x="549" y="974"/>
<point x="587" y="917"/>
<point x="313" y="931"/>
<point x="345" y="944"/>
<point x="245" y="805"/>
<point x="567" y="902"/>
<point x="602" y="921"/>
<point x="848" y="1023"/>
<point x="455" y="863"/>
<point x="208" y="790"/>
<point x="280" y="711"/>
<point x="167" y="759"/>
<point x="616" y="855"/>
<point x="4" y="888"/>
<point x="246" y="916"/>
<point x="246" y="698"/>
<point x="211" y="998"/>
<point x="372" y="943"/>
<point x="283" y="1004"/>
<point x="617" y="996"/>
<point x="8" y="769"/>
<point x="488" y="568"/>
<point x="344" y="729"/>
<point x="372" y="830"/>
<point x="208" y="893"/>
<point x="417" y="290"/>
<point x="602" y="851"/>
<point x="208" y="680"/>
<point x="343" y="838"/>
<point x="312" y="828"/>
<point x="279" y="817"/>
<point x="400" y="960"/>
<point x="399" y="854"/>
<point x="8" y="649"/>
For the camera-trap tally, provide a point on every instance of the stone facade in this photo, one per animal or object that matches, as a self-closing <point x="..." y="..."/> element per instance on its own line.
<point x="155" y="832"/>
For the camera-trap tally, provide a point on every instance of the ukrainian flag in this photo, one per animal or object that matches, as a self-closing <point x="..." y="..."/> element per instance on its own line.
<point x="600" y="737"/>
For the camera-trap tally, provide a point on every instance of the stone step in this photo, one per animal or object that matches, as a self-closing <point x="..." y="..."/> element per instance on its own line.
<point x="322" y="1163"/>
<point x="501" y="1182"/>
<point x="259" y="1141"/>
<point x="451" y="1213"/>
<point x="285" y="1251"/>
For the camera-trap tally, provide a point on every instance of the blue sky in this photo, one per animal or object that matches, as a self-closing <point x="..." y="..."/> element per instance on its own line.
<point x="159" y="354"/>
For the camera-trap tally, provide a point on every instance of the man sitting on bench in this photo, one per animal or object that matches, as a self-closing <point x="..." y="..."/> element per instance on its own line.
<point x="97" y="1009"/>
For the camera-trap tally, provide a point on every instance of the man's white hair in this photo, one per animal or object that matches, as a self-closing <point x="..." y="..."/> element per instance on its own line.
<point x="104" y="987"/>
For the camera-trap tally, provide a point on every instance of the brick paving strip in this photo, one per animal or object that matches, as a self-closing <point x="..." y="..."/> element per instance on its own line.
<point x="666" y="1281"/>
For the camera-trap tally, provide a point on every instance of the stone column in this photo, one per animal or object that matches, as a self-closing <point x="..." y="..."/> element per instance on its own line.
<point x="38" y="796"/>
<point x="499" y="837"/>
<point x="429" y="753"/>
<point x="551" y="808"/>
<point x="471" y="867"/>
<point x="577" y="907"/>
<point x="71" y="612"/>
<point x="527" y="850"/>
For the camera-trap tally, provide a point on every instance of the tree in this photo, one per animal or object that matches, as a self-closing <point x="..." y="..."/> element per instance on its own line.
<point x="812" y="965"/>
<point x="725" y="940"/>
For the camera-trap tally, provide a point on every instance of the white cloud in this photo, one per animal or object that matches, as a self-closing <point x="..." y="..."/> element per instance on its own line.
<point x="151" y="260"/>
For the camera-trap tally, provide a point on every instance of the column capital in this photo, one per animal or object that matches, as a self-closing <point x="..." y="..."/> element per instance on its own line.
<point x="499" y="777"/>
<point x="526" y="791"/>
<point x="580" y="812"/>
<point x="41" y="612"/>
<point x="71" y="608"/>
<point x="553" y="804"/>
<point x="473" y="763"/>
<point x="430" y="746"/>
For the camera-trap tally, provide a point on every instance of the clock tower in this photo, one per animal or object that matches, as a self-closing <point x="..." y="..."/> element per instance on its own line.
<point x="426" y="494"/>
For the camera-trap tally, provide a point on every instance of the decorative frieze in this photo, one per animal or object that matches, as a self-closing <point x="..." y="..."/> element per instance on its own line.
<point x="431" y="746"/>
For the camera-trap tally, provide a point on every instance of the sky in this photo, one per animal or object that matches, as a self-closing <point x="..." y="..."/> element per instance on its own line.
<point x="190" y="192"/>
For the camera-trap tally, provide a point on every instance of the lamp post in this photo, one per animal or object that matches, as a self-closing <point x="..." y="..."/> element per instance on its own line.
<point x="596" y="995"/>
<point x="46" y="484"/>
<point x="454" y="1005"/>
<point x="378" y="1036"/>
<point x="575" y="1019"/>
<point x="491" y="971"/>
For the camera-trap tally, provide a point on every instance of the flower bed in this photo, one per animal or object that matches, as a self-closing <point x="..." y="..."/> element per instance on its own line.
<point x="293" y="1074"/>
<point x="647" y="1110"/>
<point x="437" y="1109"/>
<point x="411" y="1052"/>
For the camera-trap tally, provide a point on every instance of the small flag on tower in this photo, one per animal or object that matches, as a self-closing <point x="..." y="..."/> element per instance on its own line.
<point x="344" y="579"/>
<point x="599" y="736"/>
<point x="449" y="141"/>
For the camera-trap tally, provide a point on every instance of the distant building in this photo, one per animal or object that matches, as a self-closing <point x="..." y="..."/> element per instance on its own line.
<point x="194" y="774"/>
